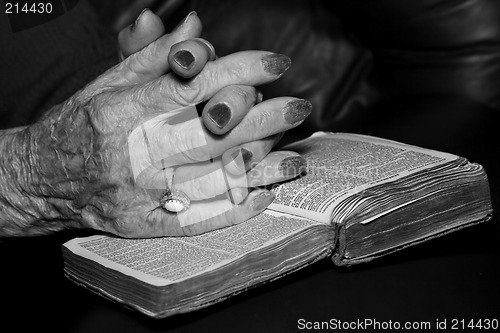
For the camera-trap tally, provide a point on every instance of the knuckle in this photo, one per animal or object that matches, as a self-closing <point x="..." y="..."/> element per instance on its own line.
<point x="238" y="72"/>
<point x="245" y="93"/>
<point x="181" y="92"/>
<point x="186" y="93"/>
<point x="140" y="61"/>
<point x="263" y="122"/>
<point x="232" y="75"/>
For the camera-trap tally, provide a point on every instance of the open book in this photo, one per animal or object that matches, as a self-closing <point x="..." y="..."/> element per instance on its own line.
<point x="362" y="197"/>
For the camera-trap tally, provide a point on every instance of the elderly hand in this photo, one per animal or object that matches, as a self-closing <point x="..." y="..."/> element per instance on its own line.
<point x="105" y="157"/>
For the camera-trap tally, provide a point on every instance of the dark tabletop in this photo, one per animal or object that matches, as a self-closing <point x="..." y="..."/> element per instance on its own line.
<point x="453" y="278"/>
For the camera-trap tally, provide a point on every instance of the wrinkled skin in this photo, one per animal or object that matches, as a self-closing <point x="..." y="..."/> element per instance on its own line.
<point x="73" y="168"/>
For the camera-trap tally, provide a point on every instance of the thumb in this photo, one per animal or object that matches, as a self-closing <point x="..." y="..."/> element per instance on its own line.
<point x="147" y="28"/>
<point x="152" y="61"/>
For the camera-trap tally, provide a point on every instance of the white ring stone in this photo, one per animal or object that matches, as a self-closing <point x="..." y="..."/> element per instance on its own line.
<point x="175" y="202"/>
<point x="174" y="206"/>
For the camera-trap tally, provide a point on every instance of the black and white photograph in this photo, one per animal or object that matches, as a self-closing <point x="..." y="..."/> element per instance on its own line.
<point x="250" y="166"/>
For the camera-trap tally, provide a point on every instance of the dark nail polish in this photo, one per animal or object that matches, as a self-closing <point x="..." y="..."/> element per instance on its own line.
<point x="219" y="114"/>
<point x="276" y="64"/>
<point x="292" y="166"/>
<point x="296" y="110"/>
<point x="262" y="200"/>
<point x="184" y="58"/>
<point x="134" y="25"/>
<point x="245" y="154"/>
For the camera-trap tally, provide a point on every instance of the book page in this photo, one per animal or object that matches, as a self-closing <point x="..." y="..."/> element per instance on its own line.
<point x="162" y="261"/>
<point x="341" y="164"/>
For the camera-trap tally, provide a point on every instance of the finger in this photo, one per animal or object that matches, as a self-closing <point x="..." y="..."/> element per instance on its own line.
<point x="187" y="58"/>
<point x="265" y="119"/>
<point x="207" y="215"/>
<point x="175" y="142"/>
<point x="152" y="61"/>
<point x="237" y="195"/>
<point x="147" y="28"/>
<point x="228" y="106"/>
<point x="277" y="167"/>
<point x="250" y="68"/>
<point x="198" y="184"/>
<point x="204" y="180"/>
<point x="273" y="169"/>
<point x="198" y="181"/>
<point x="240" y="159"/>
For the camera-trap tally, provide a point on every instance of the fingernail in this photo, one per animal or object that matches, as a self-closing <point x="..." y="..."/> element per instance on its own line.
<point x="262" y="200"/>
<point x="219" y="114"/>
<point x="134" y="25"/>
<point x="246" y="156"/>
<point x="184" y="58"/>
<point x="186" y="19"/>
<point x="292" y="166"/>
<point x="296" y="111"/>
<point x="276" y="64"/>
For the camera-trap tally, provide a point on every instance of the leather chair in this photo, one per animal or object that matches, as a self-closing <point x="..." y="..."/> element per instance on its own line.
<point x="357" y="60"/>
<point x="348" y="55"/>
<point x="351" y="55"/>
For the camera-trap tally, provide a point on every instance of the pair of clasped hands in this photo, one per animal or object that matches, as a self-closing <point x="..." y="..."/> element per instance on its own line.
<point x="146" y="135"/>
